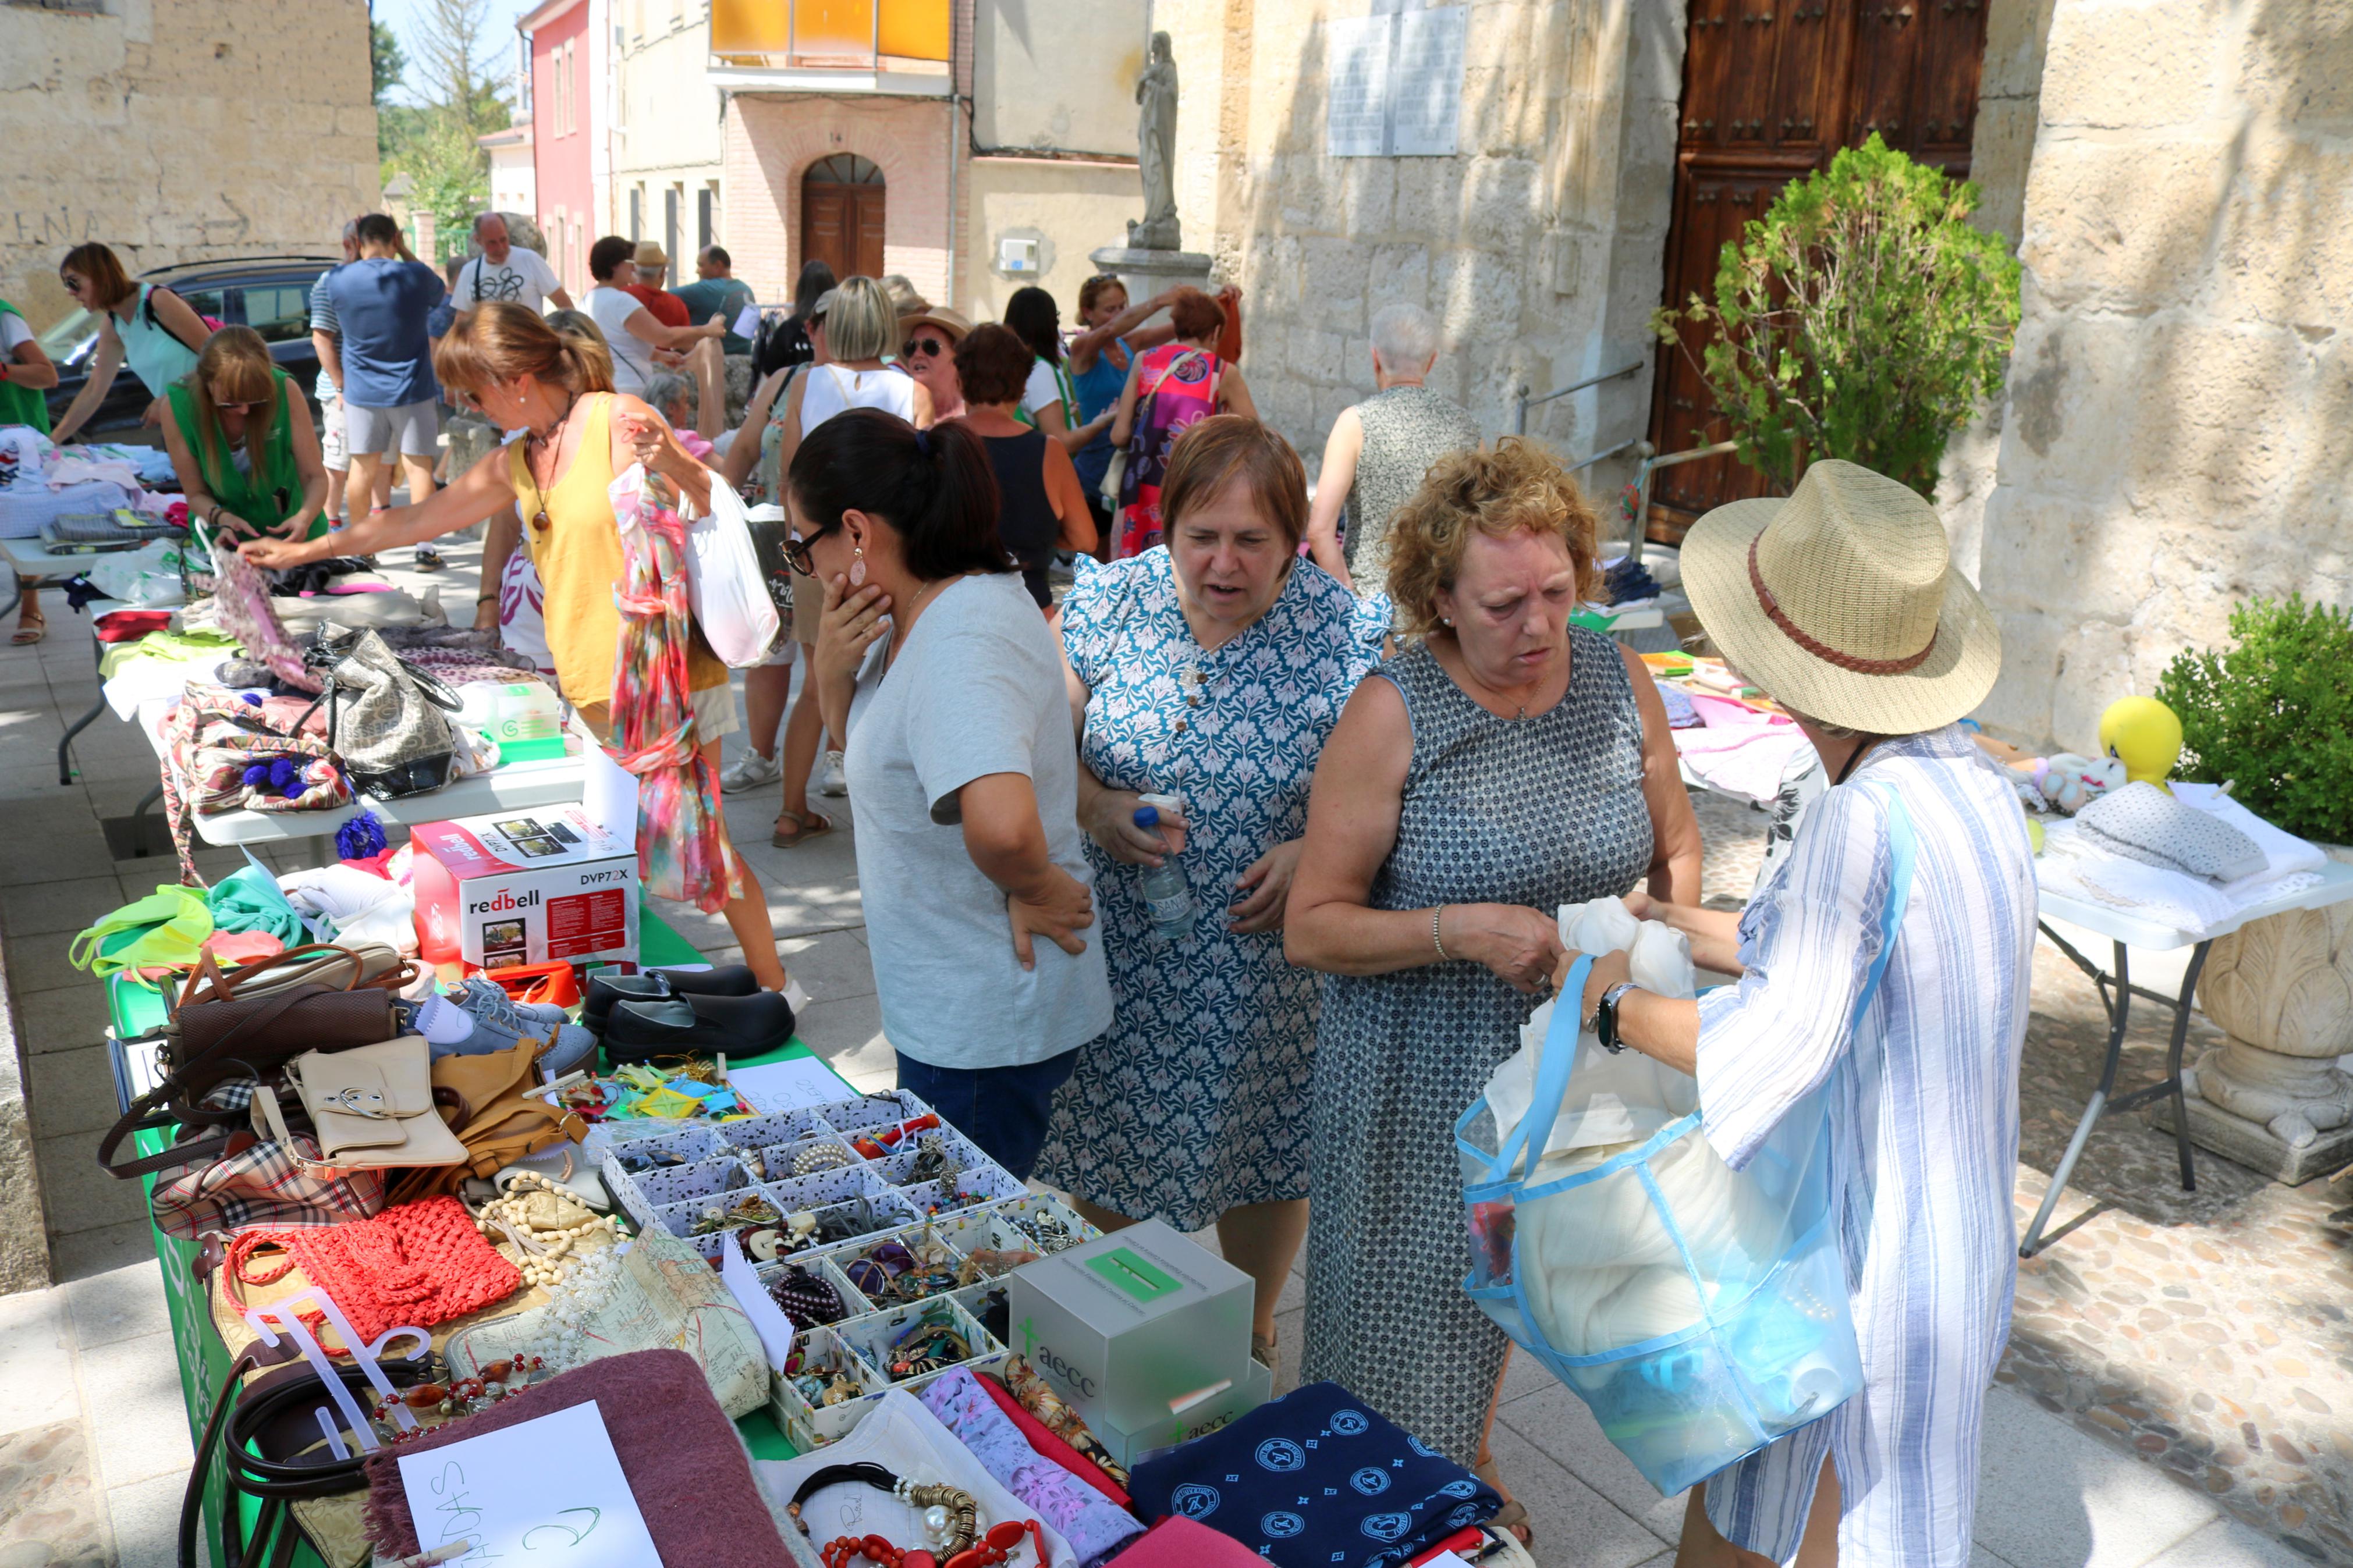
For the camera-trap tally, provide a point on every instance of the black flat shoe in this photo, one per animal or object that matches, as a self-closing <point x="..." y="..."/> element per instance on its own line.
<point x="655" y="985"/>
<point x="698" y="1025"/>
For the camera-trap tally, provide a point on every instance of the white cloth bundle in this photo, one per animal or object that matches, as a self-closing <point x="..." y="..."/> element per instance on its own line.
<point x="1600" y="1265"/>
<point x="360" y="906"/>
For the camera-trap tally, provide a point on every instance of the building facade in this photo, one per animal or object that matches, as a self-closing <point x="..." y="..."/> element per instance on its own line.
<point x="256" y="117"/>
<point x="571" y="53"/>
<point x="947" y="140"/>
<point x="2168" y="442"/>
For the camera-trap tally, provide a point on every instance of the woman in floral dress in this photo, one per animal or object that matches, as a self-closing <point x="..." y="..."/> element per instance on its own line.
<point x="1170" y="390"/>
<point x="1209" y="668"/>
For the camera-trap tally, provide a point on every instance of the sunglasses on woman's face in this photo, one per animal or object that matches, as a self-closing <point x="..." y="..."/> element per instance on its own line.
<point x="74" y="285"/>
<point x="247" y="407"/>
<point x="914" y="346"/>
<point x="796" y="555"/>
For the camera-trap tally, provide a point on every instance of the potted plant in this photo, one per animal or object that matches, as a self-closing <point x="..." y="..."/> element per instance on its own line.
<point x="1862" y="317"/>
<point x="2273" y="717"/>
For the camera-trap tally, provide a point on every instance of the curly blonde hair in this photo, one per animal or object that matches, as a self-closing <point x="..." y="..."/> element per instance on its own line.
<point x="1496" y="492"/>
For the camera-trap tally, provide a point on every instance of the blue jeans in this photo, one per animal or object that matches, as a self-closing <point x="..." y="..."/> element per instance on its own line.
<point x="1002" y="1109"/>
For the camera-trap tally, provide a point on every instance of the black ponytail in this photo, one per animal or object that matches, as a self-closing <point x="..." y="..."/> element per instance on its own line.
<point x="934" y="488"/>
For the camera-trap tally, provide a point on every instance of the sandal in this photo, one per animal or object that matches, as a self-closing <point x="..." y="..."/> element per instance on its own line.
<point x="811" y="825"/>
<point x="1513" y="1517"/>
<point x="31" y="626"/>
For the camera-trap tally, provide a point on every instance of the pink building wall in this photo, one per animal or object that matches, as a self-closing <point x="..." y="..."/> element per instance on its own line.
<point x="560" y="155"/>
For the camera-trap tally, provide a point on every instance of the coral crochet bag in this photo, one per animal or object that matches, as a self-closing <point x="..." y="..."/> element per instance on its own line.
<point x="416" y="1264"/>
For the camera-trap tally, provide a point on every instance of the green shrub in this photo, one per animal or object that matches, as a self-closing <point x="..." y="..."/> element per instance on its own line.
<point x="2274" y="713"/>
<point x="1861" y="318"/>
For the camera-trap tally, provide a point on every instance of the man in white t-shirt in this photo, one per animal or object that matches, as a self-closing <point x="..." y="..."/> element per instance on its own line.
<point x="506" y="271"/>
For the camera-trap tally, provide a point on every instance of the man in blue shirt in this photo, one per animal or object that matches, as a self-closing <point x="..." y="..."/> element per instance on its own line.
<point x="391" y="402"/>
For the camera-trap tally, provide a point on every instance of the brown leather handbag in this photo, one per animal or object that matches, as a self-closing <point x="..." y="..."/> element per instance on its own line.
<point x="228" y="1032"/>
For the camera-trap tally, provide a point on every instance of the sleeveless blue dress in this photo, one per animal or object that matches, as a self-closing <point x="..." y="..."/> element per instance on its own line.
<point x="1542" y="811"/>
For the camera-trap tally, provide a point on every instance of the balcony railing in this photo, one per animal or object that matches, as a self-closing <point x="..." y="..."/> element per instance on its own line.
<point x="896" y="45"/>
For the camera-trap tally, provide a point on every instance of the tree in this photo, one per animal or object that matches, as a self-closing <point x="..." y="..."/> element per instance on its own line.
<point x="450" y="42"/>
<point x="385" y="54"/>
<point x="1862" y="317"/>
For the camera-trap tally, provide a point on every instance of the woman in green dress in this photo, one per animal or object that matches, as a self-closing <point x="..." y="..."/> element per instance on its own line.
<point x="244" y="444"/>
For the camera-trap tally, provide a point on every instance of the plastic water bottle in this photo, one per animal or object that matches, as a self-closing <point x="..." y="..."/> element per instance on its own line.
<point x="1166" y="899"/>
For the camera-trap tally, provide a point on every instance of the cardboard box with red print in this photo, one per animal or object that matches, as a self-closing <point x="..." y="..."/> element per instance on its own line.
<point x="524" y="887"/>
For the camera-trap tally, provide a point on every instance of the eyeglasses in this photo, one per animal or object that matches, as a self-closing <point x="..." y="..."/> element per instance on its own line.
<point x="914" y="346"/>
<point x="74" y="285"/>
<point x="241" y="407"/>
<point x="796" y="553"/>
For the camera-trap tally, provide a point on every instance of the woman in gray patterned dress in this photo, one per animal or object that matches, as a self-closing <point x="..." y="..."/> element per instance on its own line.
<point x="1505" y="765"/>
<point x="1378" y="451"/>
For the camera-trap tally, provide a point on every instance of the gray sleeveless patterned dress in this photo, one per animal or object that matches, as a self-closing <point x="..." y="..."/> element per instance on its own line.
<point x="1541" y="811"/>
<point x="1407" y="428"/>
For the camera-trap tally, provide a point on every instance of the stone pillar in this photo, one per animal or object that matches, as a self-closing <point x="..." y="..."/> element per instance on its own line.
<point x="2269" y="1096"/>
<point x="1144" y="273"/>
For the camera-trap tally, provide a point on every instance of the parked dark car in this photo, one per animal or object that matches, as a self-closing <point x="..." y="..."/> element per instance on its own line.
<point x="271" y="294"/>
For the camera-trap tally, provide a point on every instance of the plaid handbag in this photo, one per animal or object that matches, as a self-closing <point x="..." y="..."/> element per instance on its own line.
<point x="255" y="1181"/>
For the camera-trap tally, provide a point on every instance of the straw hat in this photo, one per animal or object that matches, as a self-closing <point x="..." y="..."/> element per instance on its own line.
<point x="1841" y="601"/>
<point x="648" y="254"/>
<point x="940" y="315"/>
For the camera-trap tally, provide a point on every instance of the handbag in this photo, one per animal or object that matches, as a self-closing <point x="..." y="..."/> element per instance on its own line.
<point x="388" y="720"/>
<point x="372" y="1107"/>
<point x="255" y="1181"/>
<point x="1115" y="472"/>
<point x="725" y="586"/>
<point x="338" y="966"/>
<point x="502" y="1114"/>
<point x="1700" y="1312"/>
<point x="210" y="1044"/>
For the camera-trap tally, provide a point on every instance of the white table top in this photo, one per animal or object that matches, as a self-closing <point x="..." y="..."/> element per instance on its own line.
<point x="2134" y="930"/>
<point x="34" y="561"/>
<point x="517" y="786"/>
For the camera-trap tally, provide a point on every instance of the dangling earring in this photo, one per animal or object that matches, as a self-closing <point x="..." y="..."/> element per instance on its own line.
<point x="857" y="566"/>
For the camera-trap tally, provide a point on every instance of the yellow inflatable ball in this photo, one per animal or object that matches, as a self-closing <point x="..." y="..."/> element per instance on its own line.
<point x="2142" y="733"/>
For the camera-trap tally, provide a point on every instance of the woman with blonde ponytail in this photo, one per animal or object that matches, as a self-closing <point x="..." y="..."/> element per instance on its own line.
<point x="557" y="388"/>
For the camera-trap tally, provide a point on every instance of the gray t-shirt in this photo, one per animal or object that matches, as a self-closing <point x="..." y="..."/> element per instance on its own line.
<point x="977" y="690"/>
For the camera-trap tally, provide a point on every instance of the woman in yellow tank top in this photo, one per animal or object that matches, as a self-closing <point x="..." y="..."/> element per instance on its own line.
<point x="520" y="373"/>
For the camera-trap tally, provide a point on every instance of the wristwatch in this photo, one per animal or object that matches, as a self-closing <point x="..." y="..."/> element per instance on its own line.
<point x="1605" y="1017"/>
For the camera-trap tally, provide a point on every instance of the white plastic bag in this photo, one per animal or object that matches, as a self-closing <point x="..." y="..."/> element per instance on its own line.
<point x="724" y="584"/>
<point x="149" y="576"/>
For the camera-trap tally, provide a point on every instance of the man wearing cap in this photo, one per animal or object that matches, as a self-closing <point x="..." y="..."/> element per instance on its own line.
<point x="668" y="309"/>
<point x="1840" y="601"/>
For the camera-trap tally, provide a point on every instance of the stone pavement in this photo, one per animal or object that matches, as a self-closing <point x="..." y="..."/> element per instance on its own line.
<point x="94" y="1440"/>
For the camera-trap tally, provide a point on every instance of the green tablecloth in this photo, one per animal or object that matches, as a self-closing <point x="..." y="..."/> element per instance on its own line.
<point x="203" y="1360"/>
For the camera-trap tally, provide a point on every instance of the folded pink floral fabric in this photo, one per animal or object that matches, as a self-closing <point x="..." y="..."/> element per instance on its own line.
<point x="1092" y="1526"/>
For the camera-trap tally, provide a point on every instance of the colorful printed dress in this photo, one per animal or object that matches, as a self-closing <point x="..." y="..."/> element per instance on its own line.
<point x="1196" y="1099"/>
<point x="1175" y="386"/>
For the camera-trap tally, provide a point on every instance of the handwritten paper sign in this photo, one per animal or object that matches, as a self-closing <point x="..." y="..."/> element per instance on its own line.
<point x="789" y="1085"/>
<point x="548" y="1492"/>
<point x="747" y="321"/>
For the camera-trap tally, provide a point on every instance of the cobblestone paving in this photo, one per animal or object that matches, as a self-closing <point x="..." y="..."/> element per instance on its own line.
<point x="2206" y="1332"/>
<point x="48" y="1512"/>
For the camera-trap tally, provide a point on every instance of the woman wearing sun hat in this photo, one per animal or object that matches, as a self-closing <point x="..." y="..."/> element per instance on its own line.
<point x="1840" y="601"/>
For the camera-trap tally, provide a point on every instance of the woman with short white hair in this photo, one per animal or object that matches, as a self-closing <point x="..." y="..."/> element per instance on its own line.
<point x="1378" y="451"/>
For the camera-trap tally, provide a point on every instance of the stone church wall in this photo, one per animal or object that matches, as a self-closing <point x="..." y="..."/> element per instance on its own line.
<point x="179" y="130"/>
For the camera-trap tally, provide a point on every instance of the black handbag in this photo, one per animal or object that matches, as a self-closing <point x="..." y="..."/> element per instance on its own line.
<point x="271" y="1448"/>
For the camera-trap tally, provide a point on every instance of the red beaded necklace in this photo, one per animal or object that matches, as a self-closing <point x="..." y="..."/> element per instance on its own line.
<point x="998" y="1546"/>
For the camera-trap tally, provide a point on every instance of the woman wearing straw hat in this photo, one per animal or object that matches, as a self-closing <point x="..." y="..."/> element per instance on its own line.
<point x="1841" y="602"/>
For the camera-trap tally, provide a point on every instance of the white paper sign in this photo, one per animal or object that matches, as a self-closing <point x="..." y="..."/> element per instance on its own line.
<point x="1356" y="54"/>
<point x="549" y="1492"/>
<point x="1426" y="81"/>
<point x="774" y="1328"/>
<point x="789" y="1085"/>
<point x="747" y="321"/>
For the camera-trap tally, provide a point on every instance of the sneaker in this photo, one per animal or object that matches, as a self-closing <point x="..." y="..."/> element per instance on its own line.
<point x="751" y="771"/>
<point x="499" y="1023"/>
<point x="428" y="558"/>
<point x="699" y="1026"/>
<point x="607" y="990"/>
<point x="831" y="781"/>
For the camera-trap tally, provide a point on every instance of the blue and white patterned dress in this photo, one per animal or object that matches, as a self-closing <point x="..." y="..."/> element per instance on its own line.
<point x="1196" y="1099"/>
<point x="1923" y="1106"/>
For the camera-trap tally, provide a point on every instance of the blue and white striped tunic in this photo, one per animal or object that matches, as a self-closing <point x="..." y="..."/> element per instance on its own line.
<point x="1923" y="1106"/>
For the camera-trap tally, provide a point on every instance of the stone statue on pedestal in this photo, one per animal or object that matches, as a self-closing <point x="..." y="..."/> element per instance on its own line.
<point x="1156" y="150"/>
